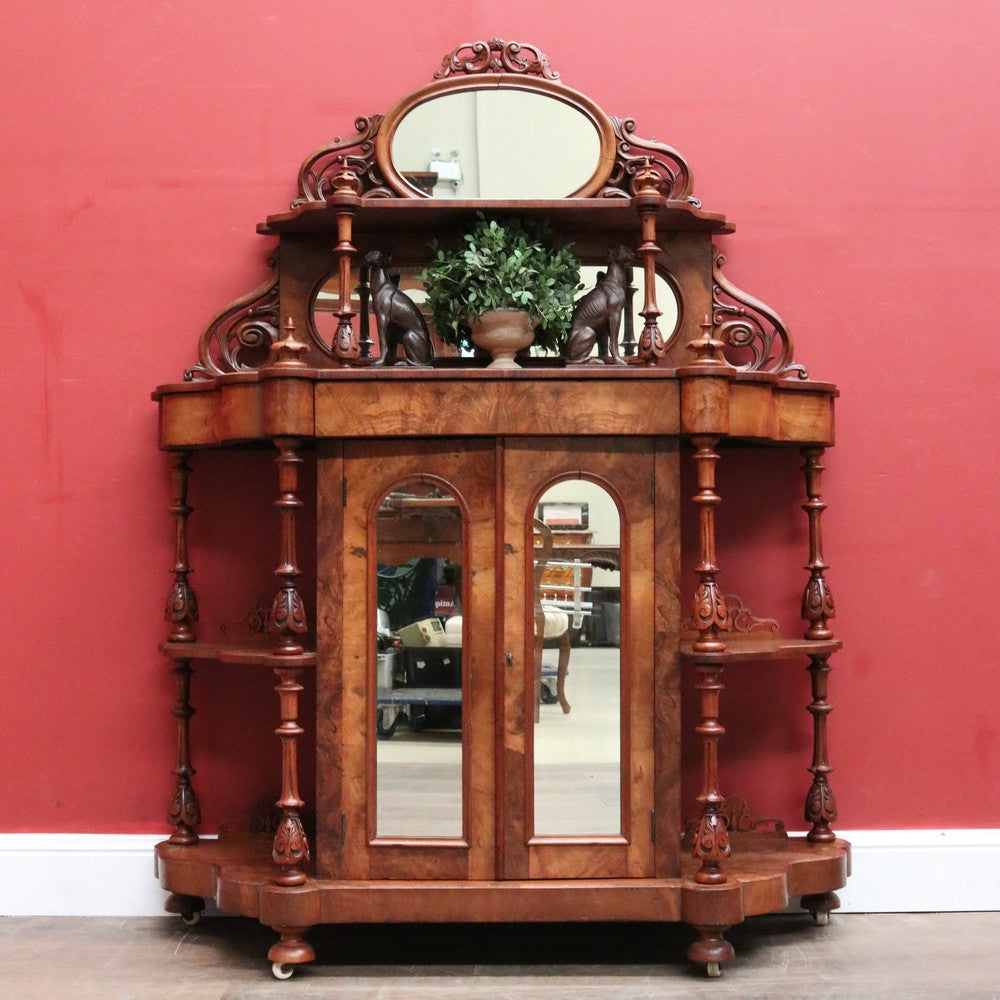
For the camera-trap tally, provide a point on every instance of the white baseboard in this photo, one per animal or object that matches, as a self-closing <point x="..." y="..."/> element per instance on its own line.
<point x="919" y="871"/>
<point x="894" y="871"/>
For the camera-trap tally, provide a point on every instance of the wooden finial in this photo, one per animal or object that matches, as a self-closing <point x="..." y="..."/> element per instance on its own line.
<point x="346" y="181"/>
<point x="285" y="352"/>
<point x="647" y="180"/>
<point x="707" y="348"/>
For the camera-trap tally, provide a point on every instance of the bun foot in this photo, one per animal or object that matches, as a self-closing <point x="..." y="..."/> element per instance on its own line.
<point x="189" y="908"/>
<point x="712" y="949"/>
<point x="820" y="906"/>
<point x="291" y="950"/>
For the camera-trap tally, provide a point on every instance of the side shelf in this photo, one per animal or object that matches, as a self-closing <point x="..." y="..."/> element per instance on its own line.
<point x="251" y="655"/>
<point x="754" y="650"/>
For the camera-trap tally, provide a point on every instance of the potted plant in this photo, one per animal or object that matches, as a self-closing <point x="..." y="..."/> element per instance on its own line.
<point x="502" y="270"/>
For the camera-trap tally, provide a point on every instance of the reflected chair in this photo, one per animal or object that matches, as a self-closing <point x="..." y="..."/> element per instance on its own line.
<point x="551" y="622"/>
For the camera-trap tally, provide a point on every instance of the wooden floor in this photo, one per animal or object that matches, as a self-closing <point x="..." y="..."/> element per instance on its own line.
<point x="865" y="956"/>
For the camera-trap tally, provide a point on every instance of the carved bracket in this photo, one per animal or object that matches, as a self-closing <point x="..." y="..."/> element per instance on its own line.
<point x="239" y="338"/>
<point x="746" y="324"/>
<point x="319" y="172"/>
<point x="496" y="56"/>
<point x="636" y="157"/>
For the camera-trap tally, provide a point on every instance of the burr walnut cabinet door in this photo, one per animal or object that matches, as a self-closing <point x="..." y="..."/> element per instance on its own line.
<point x="414" y="748"/>
<point x="578" y="784"/>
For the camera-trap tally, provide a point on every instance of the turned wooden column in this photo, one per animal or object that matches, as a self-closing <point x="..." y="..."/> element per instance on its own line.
<point x="345" y="199"/>
<point x="821" y="806"/>
<point x="647" y="201"/>
<point x="182" y="607"/>
<point x="184" y="812"/>
<point x="711" y="844"/>
<point x="817" y="601"/>
<point x="287" y="622"/>
<point x="817" y="608"/>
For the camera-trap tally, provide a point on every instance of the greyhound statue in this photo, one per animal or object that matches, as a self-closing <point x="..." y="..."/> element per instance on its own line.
<point x="597" y="316"/>
<point x="398" y="320"/>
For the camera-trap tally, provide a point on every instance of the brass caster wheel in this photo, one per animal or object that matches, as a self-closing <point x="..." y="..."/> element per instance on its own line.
<point x="714" y="970"/>
<point x="822" y="918"/>
<point x="191" y="919"/>
<point x="282" y="970"/>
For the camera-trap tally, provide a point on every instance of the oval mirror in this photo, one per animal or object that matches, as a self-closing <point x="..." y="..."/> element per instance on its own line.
<point x="511" y="142"/>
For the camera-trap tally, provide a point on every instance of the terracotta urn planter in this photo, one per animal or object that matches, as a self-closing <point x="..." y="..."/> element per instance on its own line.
<point x="503" y="332"/>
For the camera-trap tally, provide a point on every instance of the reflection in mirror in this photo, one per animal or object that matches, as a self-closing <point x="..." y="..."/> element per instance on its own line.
<point x="326" y="302"/>
<point x="418" y="675"/>
<point x="577" y="606"/>
<point x="496" y="144"/>
<point x="632" y="320"/>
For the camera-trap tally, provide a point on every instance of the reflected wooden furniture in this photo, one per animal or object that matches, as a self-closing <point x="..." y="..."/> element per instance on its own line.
<point x="550" y="622"/>
<point x="265" y="377"/>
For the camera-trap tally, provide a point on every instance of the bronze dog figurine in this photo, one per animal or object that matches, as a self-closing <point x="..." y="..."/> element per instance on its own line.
<point x="398" y="321"/>
<point x="597" y="316"/>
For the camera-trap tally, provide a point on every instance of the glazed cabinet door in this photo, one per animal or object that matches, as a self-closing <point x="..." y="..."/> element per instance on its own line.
<point x="578" y="778"/>
<point x="407" y="735"/>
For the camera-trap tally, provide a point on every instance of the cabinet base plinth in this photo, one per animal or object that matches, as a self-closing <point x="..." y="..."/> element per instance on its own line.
<point x="764" y="872"/>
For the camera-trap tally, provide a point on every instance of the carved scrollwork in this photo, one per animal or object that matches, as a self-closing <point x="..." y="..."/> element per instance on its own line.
<point x="291" y="845"/>
<point x="821" y="805"/>
<point x="184" y="810"/>
<point x="710" y="608"/>
<point x="239" y="338"/>
<point x="710" y="845"/>
<point x="182" y="605"/>
<point x="746" y="324"/>
<point x="744" y="621"/>
<point x="496" y="56"/>
<point x="318" y="173"/>
<point x="817" y="600"/>
<point x="636" y="157"/>
<point x="288" y="613"/>
<point x="738" y="817"/>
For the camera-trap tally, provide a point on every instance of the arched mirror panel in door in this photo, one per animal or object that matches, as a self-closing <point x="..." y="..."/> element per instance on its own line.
<point x="576" y="605"/>
<point x="418" y="579"/>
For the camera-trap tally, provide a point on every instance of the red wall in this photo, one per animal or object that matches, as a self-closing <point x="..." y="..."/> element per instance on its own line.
<point x="855" y="147"/>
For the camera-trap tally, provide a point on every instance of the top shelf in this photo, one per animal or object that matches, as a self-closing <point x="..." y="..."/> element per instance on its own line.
<point x="568" y="215"/>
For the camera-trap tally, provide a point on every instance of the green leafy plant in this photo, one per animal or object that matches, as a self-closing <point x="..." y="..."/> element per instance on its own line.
<point x="508" y="264"/>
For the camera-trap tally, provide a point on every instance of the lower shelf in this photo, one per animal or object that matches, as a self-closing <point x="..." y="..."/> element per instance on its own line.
<point x="764" y="873"/>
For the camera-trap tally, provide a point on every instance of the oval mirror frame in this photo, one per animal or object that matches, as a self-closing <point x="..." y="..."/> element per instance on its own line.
<point x="578" y="102"/>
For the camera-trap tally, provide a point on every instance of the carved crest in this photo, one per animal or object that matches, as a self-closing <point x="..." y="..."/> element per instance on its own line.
<point x="496" y="56"/>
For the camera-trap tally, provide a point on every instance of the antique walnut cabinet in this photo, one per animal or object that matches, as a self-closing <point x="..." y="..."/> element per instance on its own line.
<point x="448" y="789"/>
